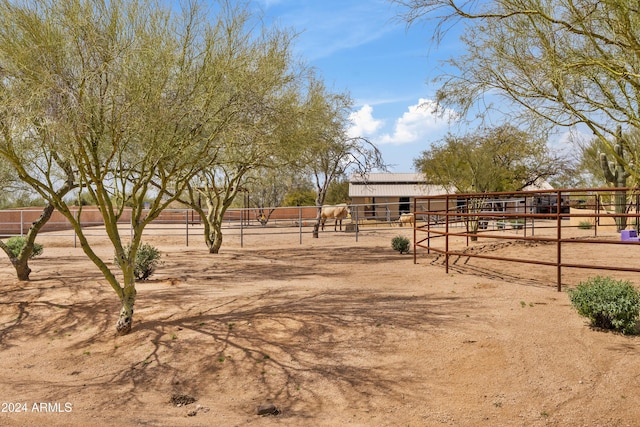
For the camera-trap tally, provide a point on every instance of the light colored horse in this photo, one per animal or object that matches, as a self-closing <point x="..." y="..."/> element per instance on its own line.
<point x="337" y="213"/>
<point x="406" y="218"/>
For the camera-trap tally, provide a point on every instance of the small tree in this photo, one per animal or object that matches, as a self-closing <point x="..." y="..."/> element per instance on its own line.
<point x="300" y="193"/>
<point x="21" y="250"/>
<point x="263" y="91"/>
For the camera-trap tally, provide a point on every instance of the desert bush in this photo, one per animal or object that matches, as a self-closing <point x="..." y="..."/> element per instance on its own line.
<point x="585" y="225"/>
<point x="15" y="245"/>
<point x="608" y="303"/>
<point x="400" y="244"/>
<point x="147" y="259"/>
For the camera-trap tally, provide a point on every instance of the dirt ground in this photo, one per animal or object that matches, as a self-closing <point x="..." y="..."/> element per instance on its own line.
<point x="331" y="332"/>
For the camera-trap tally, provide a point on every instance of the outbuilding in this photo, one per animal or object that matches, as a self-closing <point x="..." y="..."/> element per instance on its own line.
<point x="385" y="196"/>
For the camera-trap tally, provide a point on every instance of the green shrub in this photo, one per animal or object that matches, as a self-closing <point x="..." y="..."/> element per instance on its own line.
<point x="585" y="225"/>
<point x="15" y="245"/>
<point x="147" y="259"/>
<point x="608" y="303"/>
<point x="401" y="244"/>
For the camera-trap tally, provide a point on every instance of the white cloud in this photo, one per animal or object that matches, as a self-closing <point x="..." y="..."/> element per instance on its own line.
<point x="419" y="122"/>
<point x="363" y="122"/>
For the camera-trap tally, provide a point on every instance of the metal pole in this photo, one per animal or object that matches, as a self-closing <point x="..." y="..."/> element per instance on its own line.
<point x="357" y="224"/>
<point x="187" y="225"/>
<point x="559" y="226"/>
<point x="415" y="224"/>
<point x="446" y="233"/>
<point x="429" y="226"/>
<point x="525" y="217"/>
<point x="637" y="206"/>
<point x="21" y="223"/>
<point x="466" y="221"/>
<point x="242" y="229"/>
<point x="595" y="226"/>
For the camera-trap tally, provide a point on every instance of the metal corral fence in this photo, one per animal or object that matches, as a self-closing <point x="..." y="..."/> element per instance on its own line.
<point x="186" y="224"/>
<point x="560" y="217"/>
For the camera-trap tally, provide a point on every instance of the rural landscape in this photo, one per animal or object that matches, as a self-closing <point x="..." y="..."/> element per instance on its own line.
<point x="330" y="332"/>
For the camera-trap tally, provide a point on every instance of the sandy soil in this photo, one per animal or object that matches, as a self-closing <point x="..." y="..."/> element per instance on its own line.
<point x="331" y="332"/>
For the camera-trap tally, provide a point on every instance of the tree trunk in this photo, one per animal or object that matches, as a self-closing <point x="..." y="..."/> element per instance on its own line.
<point x="213" y="237"/>
<point x="22" y="269"/>
<point x="215" y="244"/>
<point x="316" y="226"/>
<point x="125" y="321"/>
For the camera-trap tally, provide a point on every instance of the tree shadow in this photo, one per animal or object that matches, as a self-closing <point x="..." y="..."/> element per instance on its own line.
<point x="290" y="344"/>
<point x="284" y="340"/>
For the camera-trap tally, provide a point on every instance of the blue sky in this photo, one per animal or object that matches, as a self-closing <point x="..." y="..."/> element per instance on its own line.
<point x="361" y="47"/>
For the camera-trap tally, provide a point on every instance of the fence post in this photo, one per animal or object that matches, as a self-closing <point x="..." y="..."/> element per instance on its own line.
<point x="415" y="225"/>
<point x="21" y="223"/>
<point x="357" y="224"/>
<point x="559" y="226"/>
<point x="242" y="227"/>
<point x="300" y="222"/>
<point x="637" y="225"/>
<point x="524" y="234"/>
<point x="187" y="225"/>
<point x="446" y="234"/>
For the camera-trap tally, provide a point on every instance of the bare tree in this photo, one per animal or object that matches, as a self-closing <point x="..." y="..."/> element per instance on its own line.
<point x="329" y="152"/>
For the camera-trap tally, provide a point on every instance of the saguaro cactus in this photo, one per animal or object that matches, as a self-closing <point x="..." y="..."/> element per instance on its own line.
<point x="616" y="173"/>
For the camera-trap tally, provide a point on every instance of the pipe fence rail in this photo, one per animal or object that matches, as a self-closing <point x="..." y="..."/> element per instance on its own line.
<point x="599" y="215"/>
<point x="185" y="224"/>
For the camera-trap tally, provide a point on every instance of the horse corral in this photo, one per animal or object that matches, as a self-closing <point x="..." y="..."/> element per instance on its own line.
<point x="365" y="339"/>
<point x="305" y="327"/>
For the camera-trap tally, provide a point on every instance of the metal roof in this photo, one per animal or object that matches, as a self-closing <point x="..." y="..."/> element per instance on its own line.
<point x="383" y="178"/>
<point x="394" y="190"/>
<point x="392" y="185"/>
<point x="538" y="185"/>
